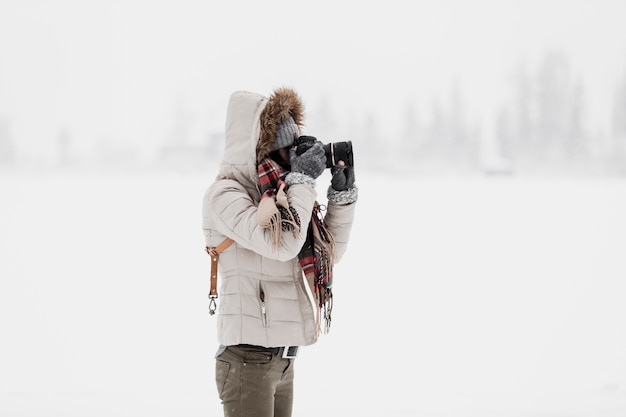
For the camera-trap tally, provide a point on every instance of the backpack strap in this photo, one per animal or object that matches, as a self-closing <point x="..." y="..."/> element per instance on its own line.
<point x="214" y="253"/>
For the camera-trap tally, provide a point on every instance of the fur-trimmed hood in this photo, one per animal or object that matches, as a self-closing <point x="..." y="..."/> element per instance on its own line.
<point x="251" y="124"/>
<point x="282" y="104"/>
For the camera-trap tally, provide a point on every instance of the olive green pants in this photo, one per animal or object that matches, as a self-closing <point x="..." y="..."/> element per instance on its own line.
<point x="254" y="383"/>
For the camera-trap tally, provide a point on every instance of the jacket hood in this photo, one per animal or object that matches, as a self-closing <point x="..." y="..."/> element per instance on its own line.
<point x="252" y="121"/>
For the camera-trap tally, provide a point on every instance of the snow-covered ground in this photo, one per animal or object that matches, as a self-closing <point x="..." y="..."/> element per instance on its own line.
<point x="458" y="297"/>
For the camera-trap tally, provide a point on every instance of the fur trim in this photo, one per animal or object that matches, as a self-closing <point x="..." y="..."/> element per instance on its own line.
<point x="283" y="103"/>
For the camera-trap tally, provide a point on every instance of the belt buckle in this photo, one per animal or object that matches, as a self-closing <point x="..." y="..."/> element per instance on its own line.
<point x="290" y="352"/>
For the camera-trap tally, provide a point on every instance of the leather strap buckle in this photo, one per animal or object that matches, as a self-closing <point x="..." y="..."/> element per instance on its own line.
<point x="214" y="254"/>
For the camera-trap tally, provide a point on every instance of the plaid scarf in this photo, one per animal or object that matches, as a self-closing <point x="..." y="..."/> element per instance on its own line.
<point x="318" y="252"/>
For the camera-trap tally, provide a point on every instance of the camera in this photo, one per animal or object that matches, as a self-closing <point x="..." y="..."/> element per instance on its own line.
<point x="335" y="152"/>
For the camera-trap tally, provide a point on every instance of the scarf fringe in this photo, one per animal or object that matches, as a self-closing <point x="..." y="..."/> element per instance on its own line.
<point x="325" y="313"/>
<point x="277" y="223"/>
<point x="325" y="259"/>
<point x="275" y="214"/>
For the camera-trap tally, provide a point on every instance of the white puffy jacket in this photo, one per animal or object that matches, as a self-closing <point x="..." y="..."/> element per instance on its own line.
<point x="251" y="269"/>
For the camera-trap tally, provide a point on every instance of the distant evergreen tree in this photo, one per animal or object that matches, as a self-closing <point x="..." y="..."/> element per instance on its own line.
<point x="575" y="143"/>
<point x="411" y="135"/>
<point x="560" y="101"/>
<point x="521" y="140"/>
<point x="619" y="116"/>
<point x="7" y="149"/>
<point x="545" y="123"/>
<point x="64" y="147"/>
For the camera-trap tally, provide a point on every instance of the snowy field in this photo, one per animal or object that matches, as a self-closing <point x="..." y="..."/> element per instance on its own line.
<point x="494" y="297"/>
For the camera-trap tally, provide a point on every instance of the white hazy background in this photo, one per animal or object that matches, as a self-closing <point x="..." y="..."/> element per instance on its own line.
<point x="485" y="275"/>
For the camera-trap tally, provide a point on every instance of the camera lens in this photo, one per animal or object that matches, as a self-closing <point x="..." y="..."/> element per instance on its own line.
<point x="339" y="151"/>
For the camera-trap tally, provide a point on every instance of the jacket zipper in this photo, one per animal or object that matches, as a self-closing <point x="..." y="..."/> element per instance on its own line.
<point x="263" y="312"/>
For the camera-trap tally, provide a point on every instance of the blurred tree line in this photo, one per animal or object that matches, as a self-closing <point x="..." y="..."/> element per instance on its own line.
<point x="541" y="127"/>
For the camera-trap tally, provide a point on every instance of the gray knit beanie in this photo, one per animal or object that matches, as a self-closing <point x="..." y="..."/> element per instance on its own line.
<point x="285" y="134"/>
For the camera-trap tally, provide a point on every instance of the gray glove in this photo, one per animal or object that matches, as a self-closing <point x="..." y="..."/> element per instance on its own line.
<point x="312" y="162"/>
<point x="343" y="177"/>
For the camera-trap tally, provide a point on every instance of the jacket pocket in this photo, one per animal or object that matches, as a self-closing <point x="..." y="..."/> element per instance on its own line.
<point x="263" y="306"/>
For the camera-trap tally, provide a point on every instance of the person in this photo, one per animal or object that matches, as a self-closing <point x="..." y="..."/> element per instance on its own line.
<point x="275" y="286"/>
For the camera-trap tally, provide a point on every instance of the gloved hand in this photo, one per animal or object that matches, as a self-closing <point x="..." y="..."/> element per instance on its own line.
<point x="312" y="162"/>
<point x="342" y="177"/>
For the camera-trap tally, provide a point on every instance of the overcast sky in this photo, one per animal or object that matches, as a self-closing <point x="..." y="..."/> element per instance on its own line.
<point x="115" y="70"/>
